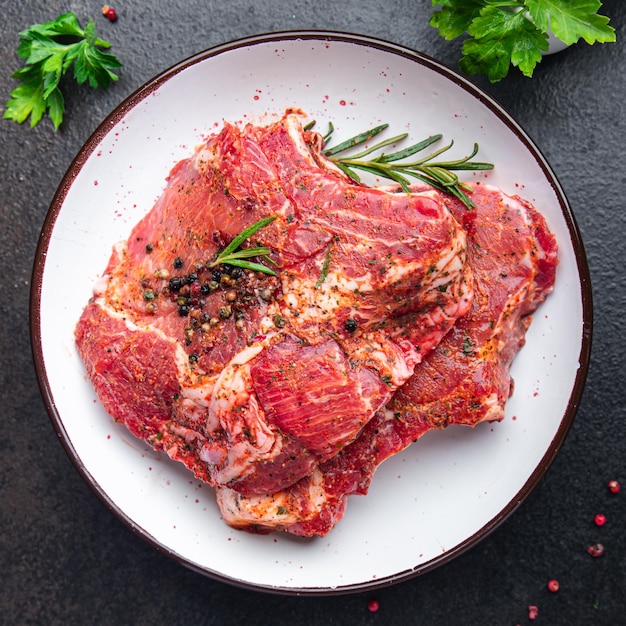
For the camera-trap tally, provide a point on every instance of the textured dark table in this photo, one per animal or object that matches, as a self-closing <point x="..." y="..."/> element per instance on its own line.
<point x="64" y="559"/>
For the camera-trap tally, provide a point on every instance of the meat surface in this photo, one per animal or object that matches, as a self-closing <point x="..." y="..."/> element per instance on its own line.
<point x="464" y="380"/>
<point x="256" y="382"/>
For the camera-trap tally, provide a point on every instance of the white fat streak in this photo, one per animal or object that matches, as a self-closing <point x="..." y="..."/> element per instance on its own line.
<point x="273" y="510"/>
<point x="450" y="265"/>
<point x="294" y="128"/>
<point x="199" y="392"/>
<point x="182" y="358"/>
<point x="391" y="359"/>
<point x="101" y="285"/>
<point x="494" y="408"/>
<point x="233" y="389"/>
<point x="196" y="399"/>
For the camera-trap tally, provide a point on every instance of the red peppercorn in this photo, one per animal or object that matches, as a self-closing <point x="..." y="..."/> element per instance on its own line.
<point x="533" y="611"/>
<point x="372" y="606"/>
<point x="553" y="586"/>
<point x="614" y="486"/>
<point x="109" y="13"/>
<point x="600" y="519"/>
<point x="596" y="549"/>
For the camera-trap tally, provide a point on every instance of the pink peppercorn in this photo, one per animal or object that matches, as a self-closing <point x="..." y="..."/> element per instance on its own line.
<point x="372" y="606"/>
<point x="596" y="549"/>
<point x="600" y="519"/>
<point x="533" y="611"/>
<point x="109" y="13"/>
<point x="614" y="486"/>
<point x="553" y="586"/>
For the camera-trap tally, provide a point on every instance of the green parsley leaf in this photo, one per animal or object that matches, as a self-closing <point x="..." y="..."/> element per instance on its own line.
<point x="571" y="21"/>
<point x="454" y="18"/>
<point x="505" y="33"/>
<point x="49" y="50"/>
<point x="501" y="39"/>
<point x="56" y="106"/>
<point x="26" y="99"/>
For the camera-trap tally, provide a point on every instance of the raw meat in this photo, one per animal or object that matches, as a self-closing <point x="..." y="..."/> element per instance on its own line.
<point x="253" y="381"/>
<point x="464" y="380"/>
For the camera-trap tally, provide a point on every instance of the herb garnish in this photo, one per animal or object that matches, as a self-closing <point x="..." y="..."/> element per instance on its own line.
<point x="236" y="256"/>
<point x="49" y="50"/>
<point x="325" y="267"/>
<point x="503" y="33"/>
<point x="438" y="174"/>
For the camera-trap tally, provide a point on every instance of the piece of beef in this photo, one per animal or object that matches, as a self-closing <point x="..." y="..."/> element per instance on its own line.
<point x="249" y="380"/>
<point x="464" y="380"/>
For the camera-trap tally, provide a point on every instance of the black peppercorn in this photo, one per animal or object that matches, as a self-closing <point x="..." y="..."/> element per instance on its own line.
<point x="350" y="325"/>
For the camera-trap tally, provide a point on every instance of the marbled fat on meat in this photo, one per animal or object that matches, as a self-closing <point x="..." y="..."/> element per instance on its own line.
<point x="254" y="382"/>
<point x="464" y="380"/>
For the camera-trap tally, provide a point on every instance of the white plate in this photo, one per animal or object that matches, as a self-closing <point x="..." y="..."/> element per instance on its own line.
<point x="426" y="505"/>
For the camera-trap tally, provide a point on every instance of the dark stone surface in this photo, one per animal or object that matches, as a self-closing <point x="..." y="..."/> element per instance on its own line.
<point x="64" y="559"/>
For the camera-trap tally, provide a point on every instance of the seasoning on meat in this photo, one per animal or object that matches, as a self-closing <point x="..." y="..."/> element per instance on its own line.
<point x="464" y="380"/>
<point x="286" y="389"/>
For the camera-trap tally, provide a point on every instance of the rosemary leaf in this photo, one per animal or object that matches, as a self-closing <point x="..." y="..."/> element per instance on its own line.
<point x="411" y="150"/>
<point x="251" y="265"/>
<point x="246" y="234"/>
<point x="346" y="170"/>
<point x="231" y="255"/>
<point x="329" y="132"/>
<point x="356" y="140"/>
<point x="378" y="146"/>
<point x="245" y="253"/>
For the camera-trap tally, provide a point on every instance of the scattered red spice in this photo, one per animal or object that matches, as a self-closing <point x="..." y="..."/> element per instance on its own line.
<point x="109" y="13"/>
<point x="599" y="519"/>
<point x="596" y="549"/>
<point x="372" y="606"/>
<point x="553" y="585"/>
<point x="533" y="611"/>
<point x="614" y="486"/>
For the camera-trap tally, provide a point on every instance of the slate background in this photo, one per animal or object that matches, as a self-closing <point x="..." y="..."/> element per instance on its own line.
<point x="64" y="559"/>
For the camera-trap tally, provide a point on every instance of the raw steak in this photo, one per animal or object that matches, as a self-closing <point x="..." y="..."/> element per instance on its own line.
<point x="464" y="380"/>
<point x="250" y="380"/>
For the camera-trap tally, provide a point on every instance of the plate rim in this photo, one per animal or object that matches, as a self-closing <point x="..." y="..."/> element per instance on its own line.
<point x="431" y="63"/>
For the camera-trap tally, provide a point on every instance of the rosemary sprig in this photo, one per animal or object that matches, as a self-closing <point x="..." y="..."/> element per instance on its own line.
<point x="232" y="254"/>
<point x="438" y="174"/>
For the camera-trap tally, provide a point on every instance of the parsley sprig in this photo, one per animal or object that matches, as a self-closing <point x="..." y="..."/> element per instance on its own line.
<point x="394" y="166"/>
<point x="505" y="33"/>
<point x="49" y="51"/>
<point x="236" y="256"/>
